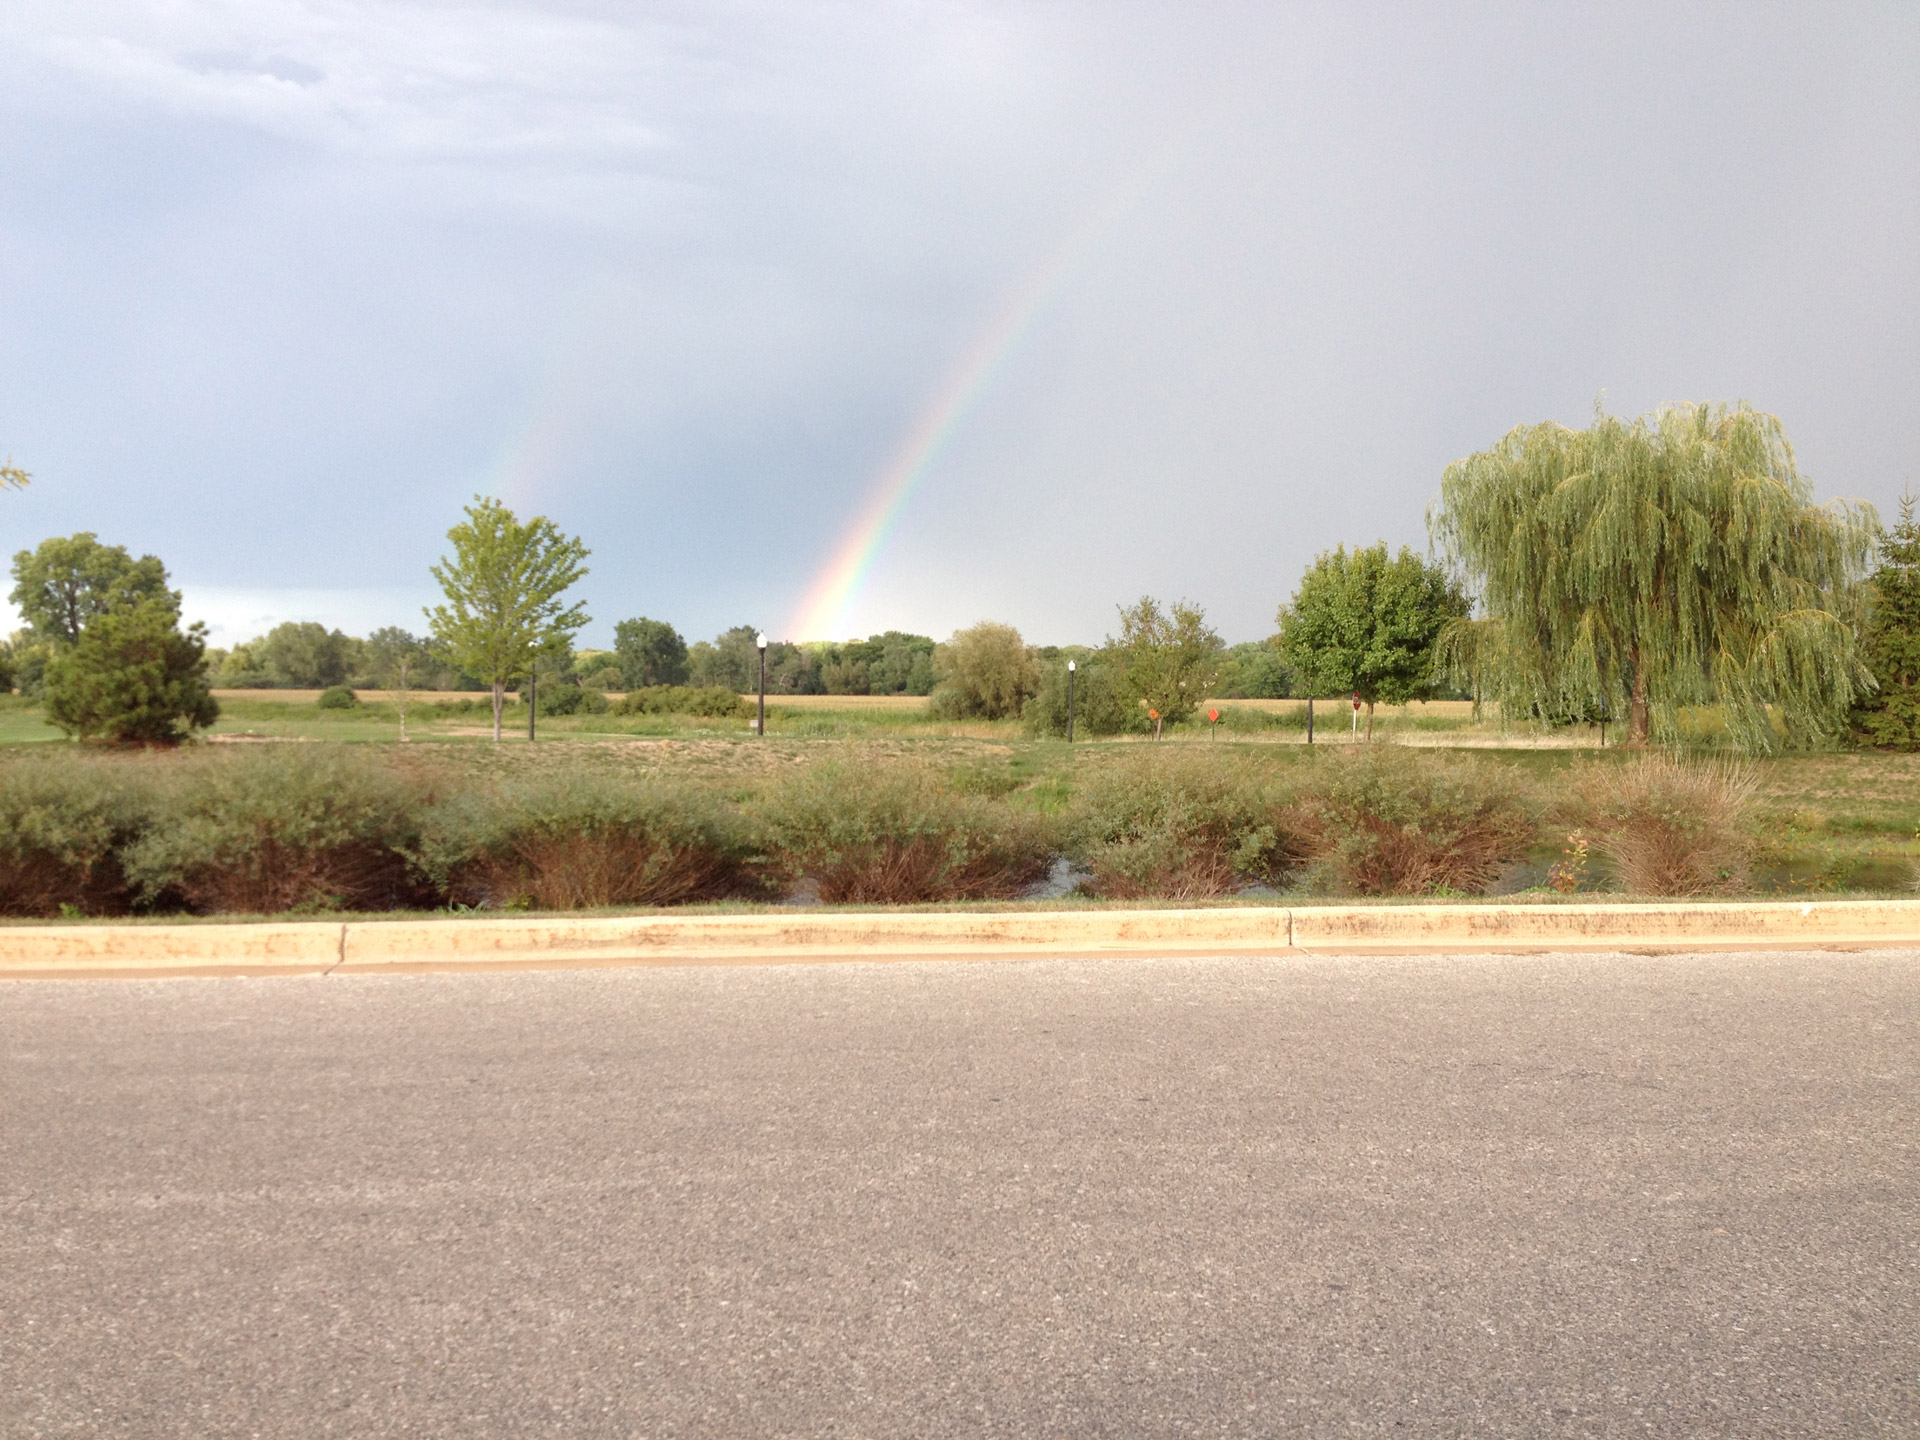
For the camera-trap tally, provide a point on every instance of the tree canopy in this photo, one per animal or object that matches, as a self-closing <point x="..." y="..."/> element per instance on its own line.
<point x="1891" y="640"/>
<point x="305" y="655"/>
<point x="1644" y="566"/>
<point x="1167" y="658"/>
<point x="651" y="652"/>
<point x="1366" y="622"/>
<point x="68" y="579"/>
<point x="985" y="670"/>
<point x="504" y="584"/>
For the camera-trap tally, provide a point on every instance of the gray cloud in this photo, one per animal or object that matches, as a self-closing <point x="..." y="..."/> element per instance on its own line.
<point x="285" y="283"/>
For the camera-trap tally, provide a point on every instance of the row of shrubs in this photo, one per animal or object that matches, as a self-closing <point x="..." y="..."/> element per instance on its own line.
<point x="313" y="827"/>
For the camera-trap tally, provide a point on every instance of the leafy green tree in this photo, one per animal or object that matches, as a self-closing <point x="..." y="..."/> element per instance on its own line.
<point x="28" y="656"/>
<point x="845" y="675"/>
<point x="1098" y="706"/>
<point x="985" y="670"/>
<point x="304" y="655"/>
<point x="1639" y="567"/>
<point x="1891" y="642"/>
<point x="69" y="579"/>
<point x="1167" y="659"/>
<point x="651" y="653"/>
<point x="1366" y="622"/>
<point x="730" y="660"/>
<point x="133" y="676"/>
<point x="503" y="585"/>
<point x="899" y="663"/>
<point x="240" y="668"/>
<point x="395" y="657"/>
<point x="1254" y="670"/>
<point x="396" y="660"/>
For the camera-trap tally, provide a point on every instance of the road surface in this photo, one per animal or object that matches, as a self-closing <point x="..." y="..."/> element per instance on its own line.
<point x="1553" y="1196"/>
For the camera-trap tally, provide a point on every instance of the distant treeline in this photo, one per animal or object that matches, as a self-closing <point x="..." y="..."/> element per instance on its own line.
<point x="304" y="655"/>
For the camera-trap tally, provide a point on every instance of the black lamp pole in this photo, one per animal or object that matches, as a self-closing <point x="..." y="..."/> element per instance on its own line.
<point x="1070" y="669"/>
<point x="760" y="725"/>
<point x="533" y="680"/>
<point x="1309" y="719"/>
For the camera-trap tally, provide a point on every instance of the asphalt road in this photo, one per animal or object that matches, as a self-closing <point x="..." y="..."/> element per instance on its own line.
<point x="1462" y="1196"/>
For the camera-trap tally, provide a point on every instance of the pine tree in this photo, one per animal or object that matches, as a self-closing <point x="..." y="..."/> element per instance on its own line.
<point x="1891" y="648"/>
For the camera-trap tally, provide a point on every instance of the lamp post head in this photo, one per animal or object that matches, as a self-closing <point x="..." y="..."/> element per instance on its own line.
<point x="1072" y="665"/>
<point x="761" y="639"/>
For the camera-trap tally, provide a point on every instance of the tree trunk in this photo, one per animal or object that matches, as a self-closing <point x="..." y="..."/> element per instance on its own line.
<point x="1639" y="726"/>
<point x="1369" y="722"/>
<point x="499" y="698"/>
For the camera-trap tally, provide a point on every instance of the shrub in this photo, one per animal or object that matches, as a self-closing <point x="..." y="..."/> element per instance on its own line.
<point x="897" y="833"/>
<point x="1666" y="828"/>
<point x="1383" y="820"/>
<point x="275" y="828"/>
<point x="338" y="697"/>
<point x="63" y="819"/>
<point x="1182" y="827"/>
<point x="562" y="699"/>
<point x="572" y="840"/>
<point x="714" y="701"/>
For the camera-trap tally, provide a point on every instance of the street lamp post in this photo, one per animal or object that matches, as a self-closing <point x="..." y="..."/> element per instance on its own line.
<point x="533" y="695"/>
<point x="1309" y="719"/>
<point x="1070" y="670"/>
<point x="760" y="725"/>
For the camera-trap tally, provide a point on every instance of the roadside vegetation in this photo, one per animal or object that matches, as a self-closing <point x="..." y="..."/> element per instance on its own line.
<point x="321" y="827"/>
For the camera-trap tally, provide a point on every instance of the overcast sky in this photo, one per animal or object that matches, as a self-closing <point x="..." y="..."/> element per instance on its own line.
<point x="282" y="285"/>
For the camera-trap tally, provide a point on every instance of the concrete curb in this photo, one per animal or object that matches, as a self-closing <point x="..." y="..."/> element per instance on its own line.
<point x="321" y="947"/>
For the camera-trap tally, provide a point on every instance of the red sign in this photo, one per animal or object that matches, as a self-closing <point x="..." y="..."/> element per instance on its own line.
<point x="1356" y="699"/>
<point x="1214" y="716"/>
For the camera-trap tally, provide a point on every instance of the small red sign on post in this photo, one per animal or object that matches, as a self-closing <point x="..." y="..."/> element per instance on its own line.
<point x="1213" y="716"/>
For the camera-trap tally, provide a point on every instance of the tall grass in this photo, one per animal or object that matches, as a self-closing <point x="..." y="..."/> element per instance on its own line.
<point x="1664" y="827"/>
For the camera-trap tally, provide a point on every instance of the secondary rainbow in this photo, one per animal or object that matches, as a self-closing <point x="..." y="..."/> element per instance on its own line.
<point x="824" y="611"/>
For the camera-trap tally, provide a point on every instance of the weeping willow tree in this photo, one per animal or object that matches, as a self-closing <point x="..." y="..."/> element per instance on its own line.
<point x="1639" y="567"/>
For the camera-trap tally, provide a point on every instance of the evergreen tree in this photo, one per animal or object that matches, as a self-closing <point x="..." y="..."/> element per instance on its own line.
<point x="132" y="676"/>
<point x="1891" y="646"/>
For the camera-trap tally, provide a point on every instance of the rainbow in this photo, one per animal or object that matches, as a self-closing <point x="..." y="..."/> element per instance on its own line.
<point x="823" y="611"/>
